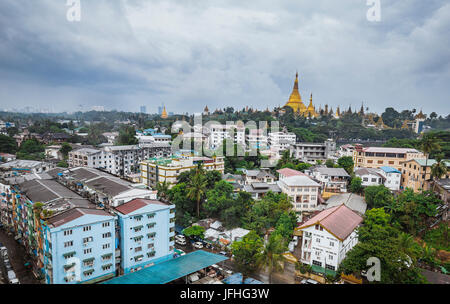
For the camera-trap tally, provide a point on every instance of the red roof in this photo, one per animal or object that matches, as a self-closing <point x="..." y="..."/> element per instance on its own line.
<point x="339" y="220"/>
<point x="136" y="204"/>
<point x="290" y="172"/>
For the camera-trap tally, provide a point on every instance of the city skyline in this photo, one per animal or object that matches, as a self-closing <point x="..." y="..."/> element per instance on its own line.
<point x="127" y="54"/>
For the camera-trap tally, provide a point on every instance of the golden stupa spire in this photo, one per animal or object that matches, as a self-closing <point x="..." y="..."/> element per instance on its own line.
<point x="164" y="113"/>
<point x="405" y="124"/>
<point x="295" y="100"/>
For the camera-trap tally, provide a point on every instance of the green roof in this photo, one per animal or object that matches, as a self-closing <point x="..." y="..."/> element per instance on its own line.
<point x="170" y="270"/>
<point x="319" y="269"/>
<point x="422" y="162"/>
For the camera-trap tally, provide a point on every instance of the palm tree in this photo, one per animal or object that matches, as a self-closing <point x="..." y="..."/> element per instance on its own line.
<point x="272" y="256"/>
<point x="438" y="169"/>
<point x="428" y="144"/>
<point x="406" y="243"/>
<point x="163" y="189"/>
<point x="197" y="188"/>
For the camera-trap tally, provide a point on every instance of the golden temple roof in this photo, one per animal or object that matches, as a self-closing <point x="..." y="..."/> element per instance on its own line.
<point x="295" y="100"/>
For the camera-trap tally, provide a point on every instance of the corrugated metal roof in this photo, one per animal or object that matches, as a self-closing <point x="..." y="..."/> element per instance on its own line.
<point x="136" y="204"/>
<point x="339" y="220"/>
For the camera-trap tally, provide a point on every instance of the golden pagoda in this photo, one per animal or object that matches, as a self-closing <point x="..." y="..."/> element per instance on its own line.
<point x="420" y="115"/>
<point x="295" y="100"/>
<point x="311" y="110"/>
<point x="338" y="112"/>
<point x="164" y="113"/>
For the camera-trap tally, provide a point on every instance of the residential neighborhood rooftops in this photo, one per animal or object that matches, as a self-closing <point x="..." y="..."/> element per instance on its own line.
<point x="288" y="172"/>
<point x="72" y="214"/>
<point x="390" y="150"/>
<point x="261" y="188"/>
<point x="299" y="180"/>
<point x="389" y="169"/>
<point x="351" y="200"/>
<point x="20" y="163"/>
<point x="332" y="171"/>
<point x="137" y="204"/>
<point x="367" y="171"/>
<point x="339" y="221"/>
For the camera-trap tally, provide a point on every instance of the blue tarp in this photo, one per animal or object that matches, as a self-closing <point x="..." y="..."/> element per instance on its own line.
<point x="252" y="281"/>
<point x="234" y="279"/>
<point x="170" y="270"/>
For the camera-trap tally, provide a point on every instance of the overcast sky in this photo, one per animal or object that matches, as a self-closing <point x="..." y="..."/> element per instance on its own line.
<point x="191" y="53"/>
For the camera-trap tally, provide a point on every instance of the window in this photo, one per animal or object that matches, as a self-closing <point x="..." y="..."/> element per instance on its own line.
<point x="107" y="257"/>
<point x="317" y="240"/>
<point x="88" y="239"/>
<point x="330" y="257"/>
<point x="106" y="246"/>
<point x="107" y="224"/>
<point x="332" y="244"/>
<point x="87" y="251"/>
<point x="149" y="246"/>
<point x="87" y="228"/>
<point x="106" y="235"/>
<point x="68" y="232"/>
<point x="68" y="244"/>
<point x="137" y="249"/>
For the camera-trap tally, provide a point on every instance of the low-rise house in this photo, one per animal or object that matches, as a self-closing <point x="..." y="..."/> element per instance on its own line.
<point x="6" y="157"/>
<point x="441" y="188"/>
<point x="53" y="152"/>
<point x="333" y="180"/>
<point x="303" y="191"/>
<point x="370" y="177"/>
<point x="236" y="180"/>
<point x="258" y="190"/>
<point x="353" y="201"/>
<point x="287" y="172"/>
<point x="258" y="176"/>
<point x="147" y="230"/>
<point x="49" y="137"/>
<point x="328" y="236"/>
<point x="84" y="157"/>
<point x="345" y="150"/>
<point x="392" y="176"/>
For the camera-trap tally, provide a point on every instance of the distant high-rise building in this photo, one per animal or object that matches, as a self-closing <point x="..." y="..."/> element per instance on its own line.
<point x="160" y="110"/>
<point x="143" y="109"/>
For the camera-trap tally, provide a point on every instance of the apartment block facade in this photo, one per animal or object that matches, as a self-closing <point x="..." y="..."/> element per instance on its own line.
<point x="377" y="157"/>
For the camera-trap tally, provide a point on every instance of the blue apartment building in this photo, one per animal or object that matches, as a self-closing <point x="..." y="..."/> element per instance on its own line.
<point x="146" y="234"/>
<point x="79" y="246"/>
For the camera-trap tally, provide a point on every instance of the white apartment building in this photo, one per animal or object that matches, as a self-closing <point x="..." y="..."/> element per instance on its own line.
<point x="117" y="160"/>
<point x="303" y="191"/>
<point x="312" y="152"/>
<point x="167" y="170"/>
<point x="219" y="132"/>
<point x="84" y="157"/>
<point x="328" y="236"/>
<point x="345" y="150"/>
<point x="280" y="141"/>
<point x="257" y="139"/>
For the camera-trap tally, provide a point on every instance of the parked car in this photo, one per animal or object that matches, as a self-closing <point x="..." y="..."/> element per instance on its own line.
<point x="11" y="275"/>
<point x="223" y="253"/>
<point x="180" y="237"/>
<point x="14" y="281"/>
<point x="309" y="281"/>
<point x="180" y="242"/>
<point x="198" y="245"/>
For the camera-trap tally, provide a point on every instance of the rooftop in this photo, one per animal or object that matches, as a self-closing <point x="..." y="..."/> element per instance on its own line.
<point x="351" y="200"/>
<point x="389" y="170"/>
<point x="339" y="221"/>
<point x="138" y="203"/>
<point x="290" y="172"/>
<point x="299" y="180"/>
<point x="390" y="150"/>
<point x="332" y="171"/>
<point x="170" y="270"/>
<point x="72" y="214"/>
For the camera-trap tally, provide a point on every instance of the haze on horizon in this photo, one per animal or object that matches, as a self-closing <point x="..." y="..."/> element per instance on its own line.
<point x="188" y="54"/>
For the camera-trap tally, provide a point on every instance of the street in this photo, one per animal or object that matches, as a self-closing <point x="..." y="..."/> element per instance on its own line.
<point x="18" y="258"/>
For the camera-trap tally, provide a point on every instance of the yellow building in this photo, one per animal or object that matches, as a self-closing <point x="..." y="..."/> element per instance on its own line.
<point x="416" y="171"/>
<point x="167" y="170"/>
<point x="295" y="102"/>
<point x="376" y="157"/>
